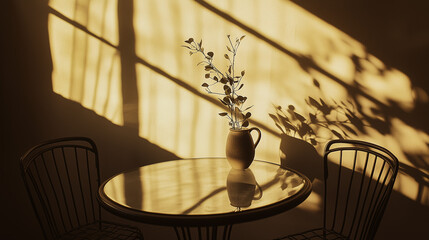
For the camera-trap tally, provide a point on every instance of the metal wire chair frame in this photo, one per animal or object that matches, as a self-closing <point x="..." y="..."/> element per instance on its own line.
<point x="54" y="173"/>
<point x="371" y="200"/>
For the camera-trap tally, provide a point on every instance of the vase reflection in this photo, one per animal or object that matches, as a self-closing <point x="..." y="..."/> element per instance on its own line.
<point x="242" y="188"/>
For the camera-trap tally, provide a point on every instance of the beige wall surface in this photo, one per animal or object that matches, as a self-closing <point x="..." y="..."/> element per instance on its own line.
<point x="116" y="71"/>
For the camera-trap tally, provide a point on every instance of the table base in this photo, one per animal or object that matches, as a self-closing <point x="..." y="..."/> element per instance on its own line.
<point x="206" y="232"/>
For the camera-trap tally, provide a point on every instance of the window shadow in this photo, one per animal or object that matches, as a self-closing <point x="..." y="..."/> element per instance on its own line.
<point x="384" y="112"/>
<point x="307" y="63"/>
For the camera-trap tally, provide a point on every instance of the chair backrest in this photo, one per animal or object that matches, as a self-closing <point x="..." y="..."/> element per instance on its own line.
<point x="359" y="178"/>
<point x="62" y="177"/>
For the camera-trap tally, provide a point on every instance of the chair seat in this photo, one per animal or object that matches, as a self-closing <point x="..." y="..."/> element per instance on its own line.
<point x="315" y="234"/>
<point x="107" y="231"/>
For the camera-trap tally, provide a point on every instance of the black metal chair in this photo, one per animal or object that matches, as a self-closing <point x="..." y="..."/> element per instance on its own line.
<point x="62" y="178"/>
<point x="358" y="181"/>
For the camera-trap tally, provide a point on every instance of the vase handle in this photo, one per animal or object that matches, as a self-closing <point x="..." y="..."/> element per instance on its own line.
<point x="259" y="135"/>
<point x="259" y="190"/>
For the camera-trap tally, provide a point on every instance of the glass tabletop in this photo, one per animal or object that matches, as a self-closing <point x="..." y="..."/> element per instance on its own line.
<point x="202" y="187"/>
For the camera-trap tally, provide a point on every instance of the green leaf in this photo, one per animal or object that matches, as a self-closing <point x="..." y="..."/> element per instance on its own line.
<point x="190" y="40"/>
<point x="248" y="108"/>
<point x="240" y="86"/>
<point x="222" y="101"/>
<point x="245" y="124"/>
<point x="231" y="81"/>
<point x="227" y="99"/>
<point x="227" y="89"/>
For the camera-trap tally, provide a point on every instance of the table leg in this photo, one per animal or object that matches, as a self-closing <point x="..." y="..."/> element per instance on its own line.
<point x="211" y="232"/>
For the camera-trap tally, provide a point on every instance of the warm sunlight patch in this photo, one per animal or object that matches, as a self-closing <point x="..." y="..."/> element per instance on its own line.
<point x="292" y="59"/>
<point x="86" y="67"/>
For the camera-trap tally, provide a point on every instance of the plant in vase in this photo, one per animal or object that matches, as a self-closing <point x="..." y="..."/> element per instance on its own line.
<point x="240" y="148"/>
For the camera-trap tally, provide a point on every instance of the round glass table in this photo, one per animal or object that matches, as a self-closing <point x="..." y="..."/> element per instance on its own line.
<point x="203" y="192"/>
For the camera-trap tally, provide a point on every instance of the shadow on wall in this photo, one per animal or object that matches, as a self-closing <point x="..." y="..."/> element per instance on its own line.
<point x="300" y="135"/>
<point x="34" y="95"/>
<point x="35" y="114"/>
<point x="124" y="139"/>
<point x="120" y="147"/>
<point x="400" y="38"/>
<point x="364" y="109"/>
<point x="394" y="31"/>
<point x="328" y="119"/>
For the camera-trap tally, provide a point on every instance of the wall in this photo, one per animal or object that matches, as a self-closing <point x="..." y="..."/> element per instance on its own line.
<point x="115" y="71"/>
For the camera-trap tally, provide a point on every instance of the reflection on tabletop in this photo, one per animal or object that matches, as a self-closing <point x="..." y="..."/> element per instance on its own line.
<point x="242" y="188"/>
<point x="202" y="186"/>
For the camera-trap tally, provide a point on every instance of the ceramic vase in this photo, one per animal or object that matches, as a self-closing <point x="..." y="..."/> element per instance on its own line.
<point x="240" y="147"/>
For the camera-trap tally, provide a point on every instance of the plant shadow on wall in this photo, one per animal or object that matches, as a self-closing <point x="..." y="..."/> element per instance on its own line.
<point x="328" y="119"/>
<point x="378" y="108"/>
<point x="300" y="134"/>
